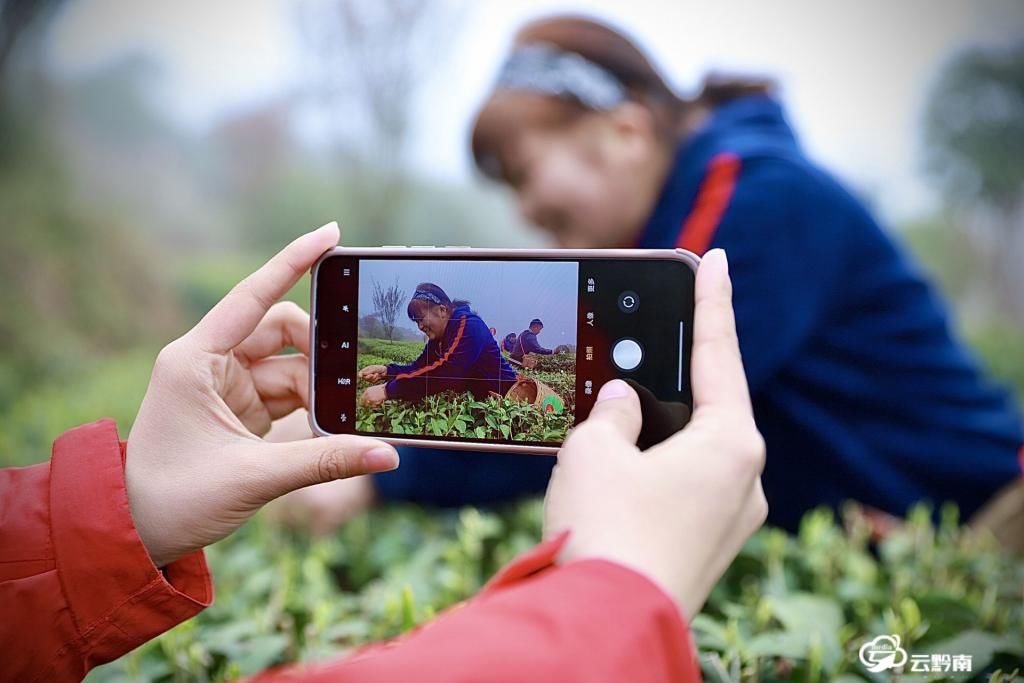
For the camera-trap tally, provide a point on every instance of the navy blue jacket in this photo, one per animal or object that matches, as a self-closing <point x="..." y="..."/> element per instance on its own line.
<point x="527" y="343"/>
<point x="466" y="359"/>
<point x="858" y="384"/>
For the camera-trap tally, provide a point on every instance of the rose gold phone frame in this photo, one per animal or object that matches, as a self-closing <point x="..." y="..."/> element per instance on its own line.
<point x="683" y="255"/>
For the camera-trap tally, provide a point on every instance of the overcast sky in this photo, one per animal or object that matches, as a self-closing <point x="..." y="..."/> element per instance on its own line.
<point x="854" y="74"/>
<point x="506" y="295"/>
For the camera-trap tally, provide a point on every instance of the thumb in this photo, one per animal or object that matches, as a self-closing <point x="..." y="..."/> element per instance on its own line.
<point x="296" y="464"/>
<point x="618" y="404"/>
<point x="716" y="369"/>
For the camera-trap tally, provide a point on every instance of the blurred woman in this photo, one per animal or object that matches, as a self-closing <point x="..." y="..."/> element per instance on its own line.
<point x="859" y="387"/>
<point x="460" y="354"/>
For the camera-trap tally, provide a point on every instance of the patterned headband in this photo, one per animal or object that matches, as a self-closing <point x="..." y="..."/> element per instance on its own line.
<point x="543" y="68"/>
<point x="424" y="295"/>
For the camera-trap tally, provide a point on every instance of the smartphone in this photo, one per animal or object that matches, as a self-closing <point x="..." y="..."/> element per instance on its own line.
<point x="496" y="349"/>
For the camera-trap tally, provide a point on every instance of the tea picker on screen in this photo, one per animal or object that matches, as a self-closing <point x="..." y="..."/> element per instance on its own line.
<point x="509" y="344"/>
<point x="527" y="342"/>
<point x="461" y="354"/>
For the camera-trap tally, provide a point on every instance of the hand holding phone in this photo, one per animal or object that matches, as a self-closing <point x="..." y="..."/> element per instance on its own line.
<point x="678" y="512"/>
<point x="196" y="468"/>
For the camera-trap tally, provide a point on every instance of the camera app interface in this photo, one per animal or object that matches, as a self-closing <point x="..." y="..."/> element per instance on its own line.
<point x="489" y="350"/>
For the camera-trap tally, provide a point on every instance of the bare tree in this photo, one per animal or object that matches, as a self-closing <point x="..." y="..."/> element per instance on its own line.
<point x="18" y="17"/>
<point x="387" y="302"/>
<point x="369" y="326"/>
<point x="368" y="59"/>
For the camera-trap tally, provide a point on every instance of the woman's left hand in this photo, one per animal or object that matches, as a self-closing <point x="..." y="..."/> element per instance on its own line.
<point x="374" y="396"/>
<point x="196" y="466"/>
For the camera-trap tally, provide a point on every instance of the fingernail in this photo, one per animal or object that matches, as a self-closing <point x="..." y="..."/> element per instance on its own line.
<point x="328" y="228"/>
<point x="616" y="388"/>
<point x="718" y="255"/>
<point x="380" y="459"/>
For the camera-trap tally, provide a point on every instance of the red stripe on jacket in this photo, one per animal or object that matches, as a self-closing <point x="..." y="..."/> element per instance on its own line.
<point x="713" y="198"/>
<point x="443" y="359"/>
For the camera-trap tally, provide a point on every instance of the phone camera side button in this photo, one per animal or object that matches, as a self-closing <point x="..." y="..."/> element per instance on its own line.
<point x="627" y="354"/>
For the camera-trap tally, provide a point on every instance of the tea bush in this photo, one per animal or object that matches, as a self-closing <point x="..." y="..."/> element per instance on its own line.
<point x="800" y="607"/>
<point x="791" y="607"/>
<point x="393" y="351"/>
<point x="463" y="415"/>
<point x="558" y="362"/>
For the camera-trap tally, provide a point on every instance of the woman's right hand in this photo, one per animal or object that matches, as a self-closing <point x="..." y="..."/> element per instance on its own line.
<point x="680" y="511"/>
<point x="373" y="373"/>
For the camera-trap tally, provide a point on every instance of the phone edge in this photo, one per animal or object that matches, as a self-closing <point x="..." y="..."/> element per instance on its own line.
<point x="688" y="257"/>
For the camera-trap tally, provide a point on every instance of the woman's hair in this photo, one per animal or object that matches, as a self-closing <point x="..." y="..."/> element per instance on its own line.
<point x="428" y="295"/>
<point x="615" y="53"/>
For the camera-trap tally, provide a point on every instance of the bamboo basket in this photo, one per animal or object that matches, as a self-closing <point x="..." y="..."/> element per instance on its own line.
<point x="530" y="390"/>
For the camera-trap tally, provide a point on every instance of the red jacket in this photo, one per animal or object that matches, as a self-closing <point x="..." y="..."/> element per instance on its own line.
<point x="78" y="589"/>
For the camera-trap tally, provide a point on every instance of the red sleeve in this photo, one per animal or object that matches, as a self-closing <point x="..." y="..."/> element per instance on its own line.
<point x="77" y="586"/>
<point x="585" y="621"/>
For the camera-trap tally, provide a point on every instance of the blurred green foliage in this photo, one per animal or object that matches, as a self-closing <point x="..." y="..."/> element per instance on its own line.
<point x="974" y="126"/>
<point x="799" y="607"/>
<point x="790" y="607"/>
<point x="958" y="272"/>
<point x="973" y="138"/>
<point x="1000" y="344"/>
<point x="75" y="284"/>
<point x="110" y="388"/>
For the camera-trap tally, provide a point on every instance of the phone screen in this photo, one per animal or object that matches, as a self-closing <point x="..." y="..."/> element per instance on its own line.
<point x="490" y="350"/>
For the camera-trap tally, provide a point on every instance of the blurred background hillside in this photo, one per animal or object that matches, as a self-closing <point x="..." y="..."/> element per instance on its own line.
<point x="153" y="153"/>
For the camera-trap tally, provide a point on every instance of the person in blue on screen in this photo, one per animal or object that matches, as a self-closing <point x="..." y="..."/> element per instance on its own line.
<point x="527" y="342"/>
<point x="460" y="354"/>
